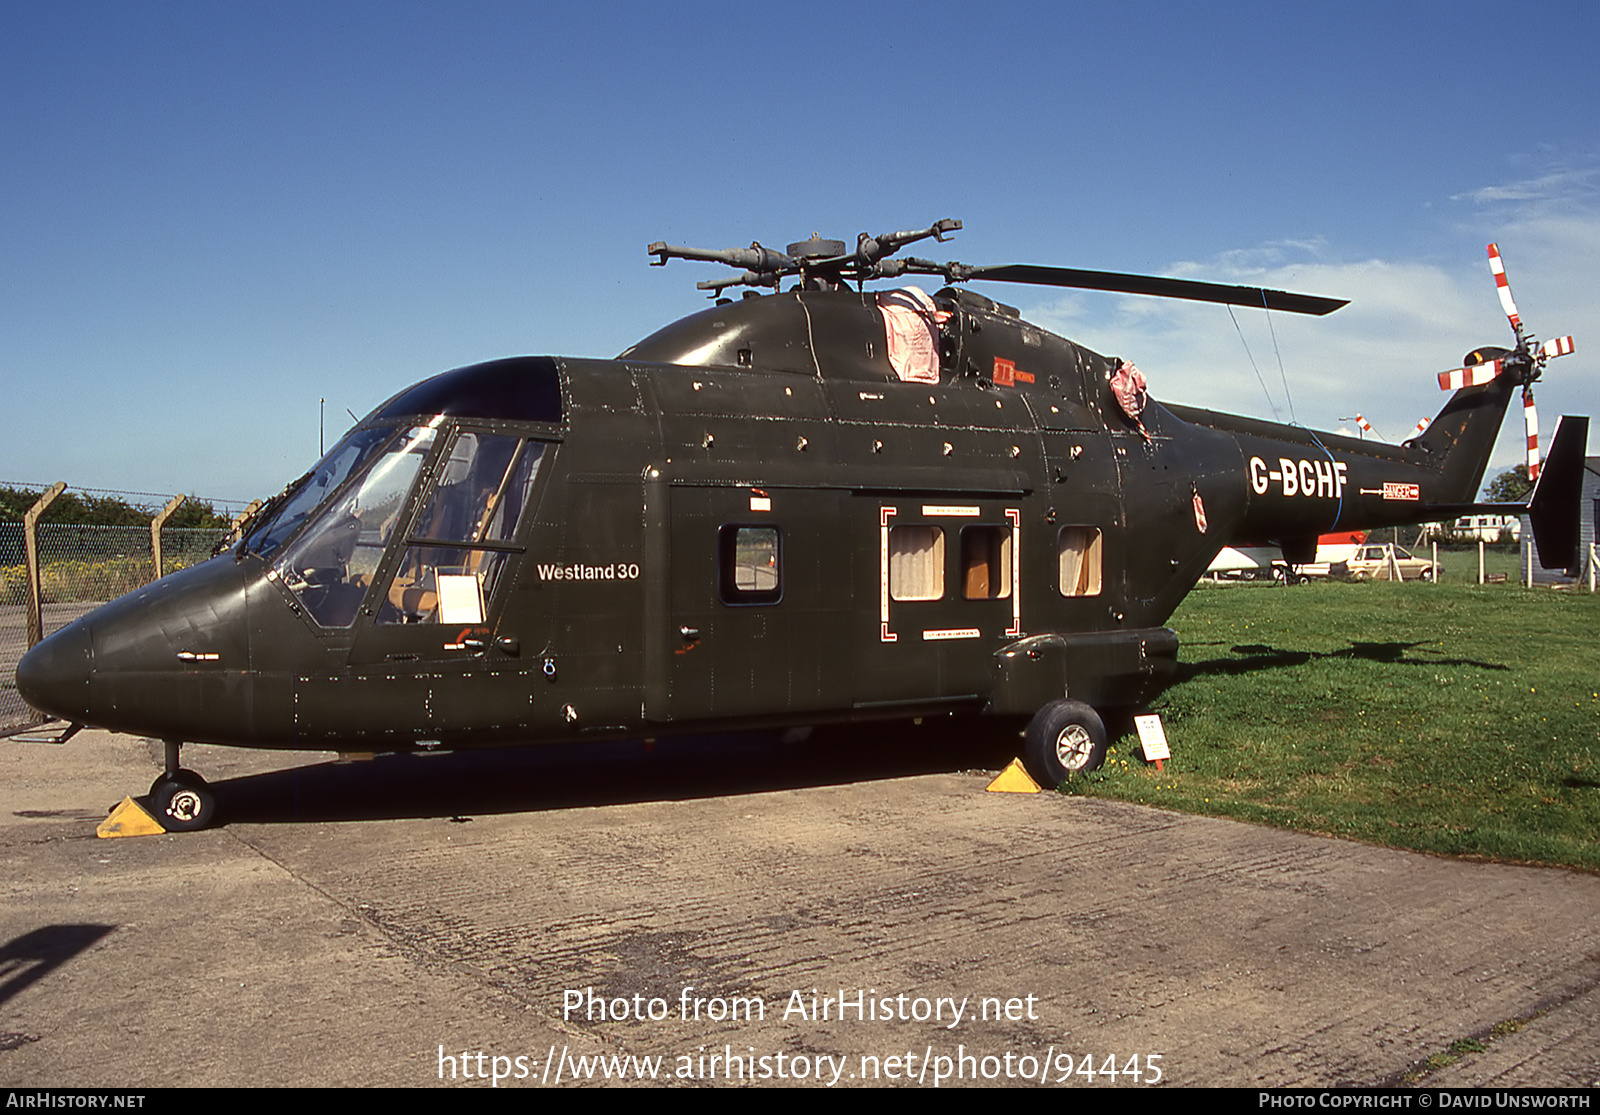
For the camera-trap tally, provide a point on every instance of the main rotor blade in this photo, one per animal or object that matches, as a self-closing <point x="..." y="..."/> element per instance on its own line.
<point x="1160" y="287"/>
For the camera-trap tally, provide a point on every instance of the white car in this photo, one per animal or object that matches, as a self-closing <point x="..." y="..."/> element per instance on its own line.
<point x="1382" y="562"/>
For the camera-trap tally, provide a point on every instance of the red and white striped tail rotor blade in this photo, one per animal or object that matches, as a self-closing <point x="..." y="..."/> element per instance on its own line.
<point x="1474" y="376"/>
<point x="1559" y="346"/>
<point x="1504" y="288"/>
<point x="1531" y="420"/>
<point x="1422" y="427"/>
<point x="1366" y="427"/>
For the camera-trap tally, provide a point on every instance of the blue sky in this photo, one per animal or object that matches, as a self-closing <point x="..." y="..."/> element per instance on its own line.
<point x="216" y="214"/>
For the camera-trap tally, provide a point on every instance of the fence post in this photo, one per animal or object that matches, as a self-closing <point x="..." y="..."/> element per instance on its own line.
<point x="1391" y="564"/>
<point x="239" y="520"/>
<point x="30" y="545"/>
<point x="155" y="534"/>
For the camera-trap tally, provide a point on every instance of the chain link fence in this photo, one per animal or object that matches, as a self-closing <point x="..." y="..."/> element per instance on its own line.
<point x="80" y="568"/>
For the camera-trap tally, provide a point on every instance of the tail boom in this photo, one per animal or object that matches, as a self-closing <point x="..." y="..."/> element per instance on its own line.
<point x="1302" y="483"/>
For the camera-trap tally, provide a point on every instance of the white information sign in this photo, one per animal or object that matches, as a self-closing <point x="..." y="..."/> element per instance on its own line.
<point x="1152" y="737"/>
<point x="460" y="598"/>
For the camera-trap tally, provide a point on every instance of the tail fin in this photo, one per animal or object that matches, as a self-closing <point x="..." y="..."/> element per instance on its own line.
<point x="1555" y="511"/>
<point x="1458" y="442"/>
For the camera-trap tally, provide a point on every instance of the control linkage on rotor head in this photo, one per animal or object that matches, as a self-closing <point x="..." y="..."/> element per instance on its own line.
<point x="818" y="261"/>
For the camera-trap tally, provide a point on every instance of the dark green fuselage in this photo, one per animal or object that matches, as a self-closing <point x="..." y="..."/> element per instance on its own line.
<point x="744" y="520"/>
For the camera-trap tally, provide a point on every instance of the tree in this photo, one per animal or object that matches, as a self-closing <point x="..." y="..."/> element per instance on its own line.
<point x="70" y="507"/>
<point x="1511" y="486"/>
<point x="194" y="513"/>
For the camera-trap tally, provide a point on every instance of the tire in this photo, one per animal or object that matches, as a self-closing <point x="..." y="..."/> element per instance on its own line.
<point x="183" y="803"/>
<point x="184" y="777"/>
<point x="1065" y="738"/>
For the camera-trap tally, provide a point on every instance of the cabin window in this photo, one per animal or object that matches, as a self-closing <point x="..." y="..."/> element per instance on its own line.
<point x="462" y="537"/>
<point x="986" y="563"/>
<point x="749" y="565"/>
<point x="916" y="563"/>
<point x="1080" y="549"/>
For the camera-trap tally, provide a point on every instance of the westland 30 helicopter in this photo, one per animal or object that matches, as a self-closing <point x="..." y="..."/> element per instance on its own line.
<point x="815" y="505"/>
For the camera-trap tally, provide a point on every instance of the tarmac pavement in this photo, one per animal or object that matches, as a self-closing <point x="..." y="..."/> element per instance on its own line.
<point x="839" y="911"/>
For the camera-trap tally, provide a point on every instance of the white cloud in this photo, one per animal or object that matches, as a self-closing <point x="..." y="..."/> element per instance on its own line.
<point x="1554" y="185"/>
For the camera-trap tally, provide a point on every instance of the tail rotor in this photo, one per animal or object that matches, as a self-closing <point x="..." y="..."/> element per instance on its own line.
<point x="1525" y="362"/>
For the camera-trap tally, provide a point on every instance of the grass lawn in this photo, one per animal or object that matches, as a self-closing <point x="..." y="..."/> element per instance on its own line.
<point x="1445" y="718"/>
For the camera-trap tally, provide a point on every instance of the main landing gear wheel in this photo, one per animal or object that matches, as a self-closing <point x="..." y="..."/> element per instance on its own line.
<point x="1065" y="738"/>
<point x="182" y="802"/>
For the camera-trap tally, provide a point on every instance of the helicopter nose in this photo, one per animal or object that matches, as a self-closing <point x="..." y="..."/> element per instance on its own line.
<point x="53" y="677"/>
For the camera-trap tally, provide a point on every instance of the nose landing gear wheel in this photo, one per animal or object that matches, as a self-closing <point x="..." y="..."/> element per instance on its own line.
<point x="1065" y="738"/>
<point x="182" y="802"/>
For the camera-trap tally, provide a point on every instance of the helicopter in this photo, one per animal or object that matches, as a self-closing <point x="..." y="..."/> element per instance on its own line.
<point x="807" y="506"/>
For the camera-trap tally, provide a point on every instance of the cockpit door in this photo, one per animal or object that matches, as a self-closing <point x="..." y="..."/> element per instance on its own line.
<point x="436" y="649"/>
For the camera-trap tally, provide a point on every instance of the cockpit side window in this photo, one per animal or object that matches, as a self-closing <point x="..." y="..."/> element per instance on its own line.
<point x="461" y="538"/>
